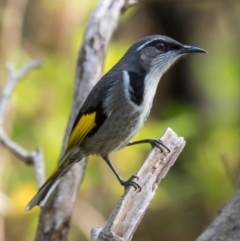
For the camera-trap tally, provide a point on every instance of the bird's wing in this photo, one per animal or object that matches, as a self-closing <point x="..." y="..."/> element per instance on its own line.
<point x="92" y="114"/>
<point x="86" y="124"/>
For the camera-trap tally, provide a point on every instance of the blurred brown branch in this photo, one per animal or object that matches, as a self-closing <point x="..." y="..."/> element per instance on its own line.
<point x="226" y="226"/>
<point x="55" y="216"/>
<point x="130" y="209"/>
<point x="34" y="158"/>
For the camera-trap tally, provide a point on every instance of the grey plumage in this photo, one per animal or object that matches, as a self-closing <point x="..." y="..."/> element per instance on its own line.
<point x="120" y="104"/>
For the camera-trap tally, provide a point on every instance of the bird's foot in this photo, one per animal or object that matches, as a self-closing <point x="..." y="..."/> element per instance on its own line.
<point x="159" y="144"/>
<point x="132" y="183"/>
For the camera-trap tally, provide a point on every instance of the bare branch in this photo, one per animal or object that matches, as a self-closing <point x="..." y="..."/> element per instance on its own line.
<point x="15" y="149"/>
<point x="226" y="226"/>
<point x="99" y="30"/>
<point x="35" y="157"/>
<point x="38" y="163"/>
<point x="55" y="216"/>
<point x="128" y="4"/>
<point x="130" y="209"/>
<point x="13" y="78"/>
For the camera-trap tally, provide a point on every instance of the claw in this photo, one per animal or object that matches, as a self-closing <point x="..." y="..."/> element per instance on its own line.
<point x="153" y="142"/>
<point x="134" y="176"/>
<point x="159" y="144"/>
<point x="132" y="183"/>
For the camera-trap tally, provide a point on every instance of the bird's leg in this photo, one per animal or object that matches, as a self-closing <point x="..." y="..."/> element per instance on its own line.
<point x="153" y="142"/>
<point x="126" y="183"/>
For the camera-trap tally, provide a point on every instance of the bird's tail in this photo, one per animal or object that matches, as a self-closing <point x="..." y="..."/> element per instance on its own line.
<point x="46" y="189"/>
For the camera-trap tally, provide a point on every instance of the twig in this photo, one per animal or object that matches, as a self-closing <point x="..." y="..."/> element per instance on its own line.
<point x="13" y="78"/>
<point x="130" y="209"/>
<point x="34" y="158"/>
<point x="15" y="149"/>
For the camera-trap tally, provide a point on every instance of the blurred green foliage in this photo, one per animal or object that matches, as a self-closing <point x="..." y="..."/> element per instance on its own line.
<point x="204" y="177"/>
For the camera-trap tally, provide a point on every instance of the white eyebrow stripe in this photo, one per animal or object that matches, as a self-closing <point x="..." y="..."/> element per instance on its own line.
<point x="139" y="48"/>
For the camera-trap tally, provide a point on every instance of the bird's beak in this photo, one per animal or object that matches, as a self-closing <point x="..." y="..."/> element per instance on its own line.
<point x="191" y="49"/>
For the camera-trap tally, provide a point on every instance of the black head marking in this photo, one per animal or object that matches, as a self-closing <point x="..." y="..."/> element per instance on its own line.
<point x="136" y="92"/>
<point x="161" y="43"/>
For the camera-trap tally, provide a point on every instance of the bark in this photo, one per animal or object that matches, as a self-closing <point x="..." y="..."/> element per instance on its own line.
<point x="35" y="157"/>
<point x="132" y="206"/>
<point x="55" y="216"/>
<point x="226" y="226"/>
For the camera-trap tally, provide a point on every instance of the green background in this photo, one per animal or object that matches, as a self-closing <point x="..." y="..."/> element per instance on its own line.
<point x="198" y="98"/>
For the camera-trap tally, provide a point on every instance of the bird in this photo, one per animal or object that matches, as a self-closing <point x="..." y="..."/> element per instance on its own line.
<point x="117" y="107"/>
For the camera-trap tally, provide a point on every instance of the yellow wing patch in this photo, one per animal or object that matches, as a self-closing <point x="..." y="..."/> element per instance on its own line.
<point x="83" y="127"/>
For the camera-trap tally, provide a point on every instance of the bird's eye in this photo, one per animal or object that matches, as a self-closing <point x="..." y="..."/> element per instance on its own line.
<point x="160" y="46"/>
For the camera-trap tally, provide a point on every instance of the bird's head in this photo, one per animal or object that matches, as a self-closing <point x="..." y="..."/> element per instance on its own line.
<point x="157" y="53"/>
